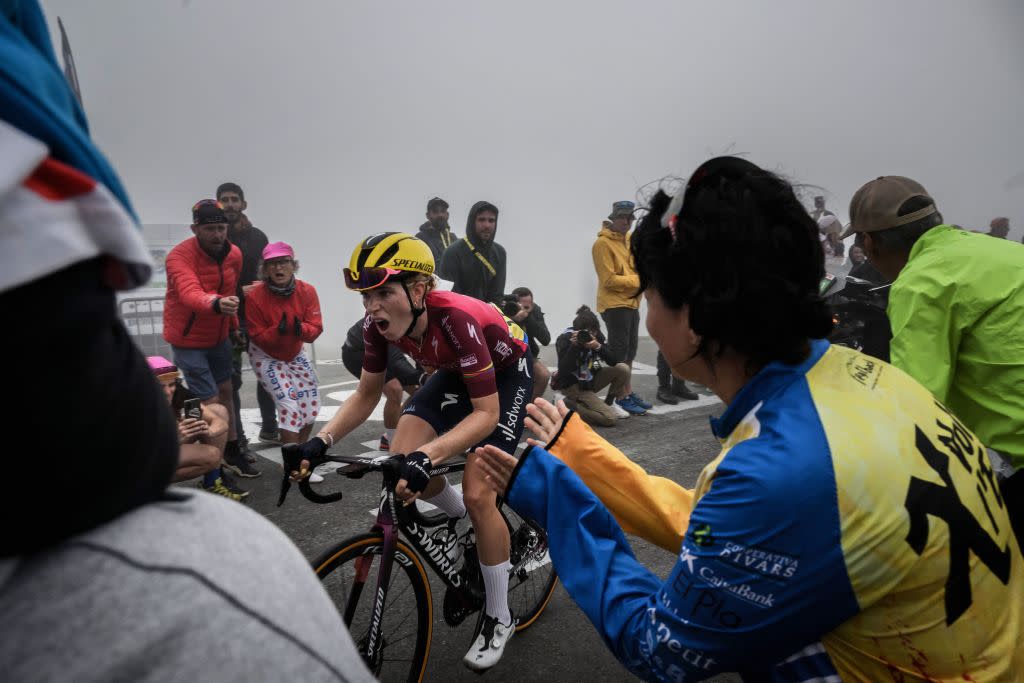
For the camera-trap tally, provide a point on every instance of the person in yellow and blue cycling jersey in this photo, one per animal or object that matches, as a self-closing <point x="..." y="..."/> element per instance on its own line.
<point x="851" y="529"/>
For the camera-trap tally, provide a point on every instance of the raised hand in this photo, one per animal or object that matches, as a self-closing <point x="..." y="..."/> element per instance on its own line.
<point x="544" y="420"/>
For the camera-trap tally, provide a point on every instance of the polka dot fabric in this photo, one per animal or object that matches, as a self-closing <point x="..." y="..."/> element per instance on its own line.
<point x="293" y="385"/>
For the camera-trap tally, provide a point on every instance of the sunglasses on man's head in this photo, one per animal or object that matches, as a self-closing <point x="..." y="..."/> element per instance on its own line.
<point x="207" y="202"/>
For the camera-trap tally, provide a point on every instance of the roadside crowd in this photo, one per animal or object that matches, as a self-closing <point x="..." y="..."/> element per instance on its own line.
<point x="232" y="292"/>
<point x="862" y="521"/>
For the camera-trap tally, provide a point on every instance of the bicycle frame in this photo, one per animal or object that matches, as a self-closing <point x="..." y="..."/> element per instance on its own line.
<point x="393" y="517"/>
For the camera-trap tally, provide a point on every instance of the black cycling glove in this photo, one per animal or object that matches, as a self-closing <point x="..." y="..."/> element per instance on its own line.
<point x="416" y="471"/>
<point x="282" y="327"/>
<point x="314" y="450"/>
<point x="298" y="327"/>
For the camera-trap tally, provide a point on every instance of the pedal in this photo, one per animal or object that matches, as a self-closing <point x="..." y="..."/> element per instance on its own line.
<point x="458" y="606"/>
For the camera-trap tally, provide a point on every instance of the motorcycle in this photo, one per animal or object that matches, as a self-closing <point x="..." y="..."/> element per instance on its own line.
<point x="858" y="314"/>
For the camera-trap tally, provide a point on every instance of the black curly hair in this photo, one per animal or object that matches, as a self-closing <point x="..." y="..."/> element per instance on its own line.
<point x="744" y="255"/>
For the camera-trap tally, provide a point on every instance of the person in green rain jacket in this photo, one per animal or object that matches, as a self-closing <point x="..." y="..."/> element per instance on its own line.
<point x="957" y="314"/>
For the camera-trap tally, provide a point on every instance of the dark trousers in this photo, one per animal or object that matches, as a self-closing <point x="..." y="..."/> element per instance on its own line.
<point x="665" y="378"/>
<point x="623" y="325"/>
<point x="268" y="409"/>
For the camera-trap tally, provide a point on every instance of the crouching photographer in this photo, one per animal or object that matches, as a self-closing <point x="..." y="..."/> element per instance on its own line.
<point x="202" y="429"/>
<point x="521" y="309"/>
<point x="581" y="375"/>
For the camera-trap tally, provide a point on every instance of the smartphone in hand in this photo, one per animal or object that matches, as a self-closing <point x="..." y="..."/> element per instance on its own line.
<point x="193" y="408"/>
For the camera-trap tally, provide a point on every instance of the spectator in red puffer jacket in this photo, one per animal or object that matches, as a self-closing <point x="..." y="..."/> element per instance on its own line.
<point x="199" y="312"/>
<point x="283" y="313"/>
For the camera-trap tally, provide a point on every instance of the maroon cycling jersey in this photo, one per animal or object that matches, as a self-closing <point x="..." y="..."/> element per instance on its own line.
<point x="463" y="334"/>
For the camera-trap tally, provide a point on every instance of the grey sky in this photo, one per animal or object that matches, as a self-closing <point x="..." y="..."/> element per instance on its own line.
<point x="340" y="119"/>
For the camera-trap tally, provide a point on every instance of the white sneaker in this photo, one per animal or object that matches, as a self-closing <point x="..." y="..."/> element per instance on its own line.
<point x="619" y="411"/>
<point x="489" y="644"/>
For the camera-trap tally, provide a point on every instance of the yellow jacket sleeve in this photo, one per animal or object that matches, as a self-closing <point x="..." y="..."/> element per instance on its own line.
<point x="607" y="278"/>
<point x="653" y="508"/>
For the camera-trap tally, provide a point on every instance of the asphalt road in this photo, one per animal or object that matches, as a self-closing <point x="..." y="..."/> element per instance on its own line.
<point x="562" y="645"/>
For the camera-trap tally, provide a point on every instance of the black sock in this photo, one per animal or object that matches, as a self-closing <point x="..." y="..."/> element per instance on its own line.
<point x="210" y="478"/>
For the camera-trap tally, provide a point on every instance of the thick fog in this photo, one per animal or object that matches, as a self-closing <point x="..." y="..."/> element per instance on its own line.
<point x="340" y="119"/>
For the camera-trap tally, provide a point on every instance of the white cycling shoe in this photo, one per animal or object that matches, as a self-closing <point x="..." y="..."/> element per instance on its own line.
<point x="489" y="644"/>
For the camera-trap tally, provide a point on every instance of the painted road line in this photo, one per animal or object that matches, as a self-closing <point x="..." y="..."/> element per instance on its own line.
<point x="704" y="400"/>
<point x="338" y="384"/>
<point x="644" y="369"/>
<point x="340" y="396"/>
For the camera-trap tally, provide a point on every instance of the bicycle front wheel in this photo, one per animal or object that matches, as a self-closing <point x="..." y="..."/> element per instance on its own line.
<point x="532" y="580"/>
<point x="350" y="571"/>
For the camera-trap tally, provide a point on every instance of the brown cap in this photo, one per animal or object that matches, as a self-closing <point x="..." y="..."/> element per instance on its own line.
<point x="876" y="205"/>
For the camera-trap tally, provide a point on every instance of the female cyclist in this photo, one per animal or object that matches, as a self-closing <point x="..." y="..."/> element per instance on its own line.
<point x="477" y="395"/>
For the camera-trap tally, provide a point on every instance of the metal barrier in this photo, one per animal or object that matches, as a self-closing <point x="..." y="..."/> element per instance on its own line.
<point x="144" y="318"/>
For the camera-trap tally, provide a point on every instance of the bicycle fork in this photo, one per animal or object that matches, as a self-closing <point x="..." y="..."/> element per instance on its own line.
<point x="386" y="525"/>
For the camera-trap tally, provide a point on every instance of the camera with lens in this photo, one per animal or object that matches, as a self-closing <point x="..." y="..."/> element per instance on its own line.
<point x="510" y="305"/>
<point x="584" y="337"/>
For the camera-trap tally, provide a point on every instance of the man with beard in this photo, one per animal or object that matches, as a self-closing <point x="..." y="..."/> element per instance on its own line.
<point x="200" y="310"/>
<point x="476" y="263"/>
<point x="251" y="241"/>
<point x="436" y="232"/>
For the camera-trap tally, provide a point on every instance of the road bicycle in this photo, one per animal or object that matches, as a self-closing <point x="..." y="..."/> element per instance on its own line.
<point x="392" y="622"/>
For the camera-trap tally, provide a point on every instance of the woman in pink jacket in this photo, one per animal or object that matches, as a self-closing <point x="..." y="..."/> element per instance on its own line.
<point x="283" y="313"/>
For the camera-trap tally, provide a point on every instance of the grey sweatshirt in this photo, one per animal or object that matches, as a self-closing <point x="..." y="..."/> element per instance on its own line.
<point x="190" y="588"/>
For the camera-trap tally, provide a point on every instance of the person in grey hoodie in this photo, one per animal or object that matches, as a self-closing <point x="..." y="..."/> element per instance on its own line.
<point x="107" y="574"/>
<point x="476" y="263"/>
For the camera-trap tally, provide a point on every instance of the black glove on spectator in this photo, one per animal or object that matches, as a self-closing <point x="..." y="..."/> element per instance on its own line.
<point x="282" y="327"/>
<point x="240" y="338"/>
<point x="416" y="471"/>
<point x="298" y="327"/>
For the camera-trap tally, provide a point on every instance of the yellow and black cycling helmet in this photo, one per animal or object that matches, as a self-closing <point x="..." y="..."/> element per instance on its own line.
<point x="393" y="256"/>
<point x="385" y="256"/>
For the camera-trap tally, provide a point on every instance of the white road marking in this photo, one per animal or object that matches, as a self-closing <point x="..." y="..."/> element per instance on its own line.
<point x="644" y="369"/>
<point x="340" y="396"/>
<point x="704" y="400"/>
<point x="339" y="384"/>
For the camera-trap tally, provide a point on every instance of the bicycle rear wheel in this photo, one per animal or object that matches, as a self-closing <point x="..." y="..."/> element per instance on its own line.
<point x="533" y="578"/>
<point x="349" y="572"/>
